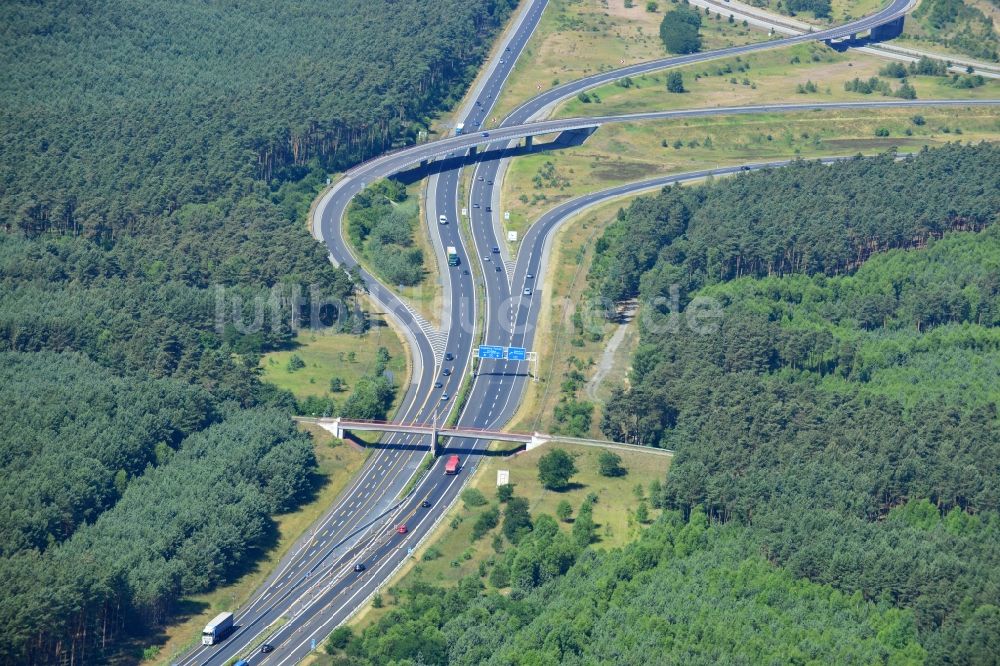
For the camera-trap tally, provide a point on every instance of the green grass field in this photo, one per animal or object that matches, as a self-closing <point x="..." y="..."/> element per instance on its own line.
<point x="454" y="555"/>
<point x="622" y="153"/>
<point x="338" y="463"/>
<point x="773" y="76"/>
<point x="327" y="354"/>
<point x="577" y="38"/>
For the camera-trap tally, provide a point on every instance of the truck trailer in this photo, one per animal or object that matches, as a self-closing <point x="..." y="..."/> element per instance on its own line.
<point x="451" y="467"/>
<point x="452" y="256"/>
<point x="217" y="629"/>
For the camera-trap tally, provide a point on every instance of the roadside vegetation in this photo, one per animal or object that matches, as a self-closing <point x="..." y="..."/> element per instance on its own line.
<point x="324" y="368"/>
<point x="545" y="576"/>
<point x="466" y="541"/>
<point x="621" y="153"/>
<point x="967" y="27"/>
<point x="336" y="465"/>
<point x="826" y="12"/>
<point x="846" y="398"/>
<point x="386" y="228"/>
<point x="582" y="354"/>
<point x="802" y="73"/>
<point x="576" y="38"/>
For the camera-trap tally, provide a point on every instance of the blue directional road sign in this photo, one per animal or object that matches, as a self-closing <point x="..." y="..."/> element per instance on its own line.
<point x="517" y="353"/>
<point x="490" y="351"/>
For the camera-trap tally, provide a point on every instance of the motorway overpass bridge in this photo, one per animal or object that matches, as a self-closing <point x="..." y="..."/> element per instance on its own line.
<point x="339" y="427"/>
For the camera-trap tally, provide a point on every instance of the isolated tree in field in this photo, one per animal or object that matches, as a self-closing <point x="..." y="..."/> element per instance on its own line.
<point x="610" y="464"/>
<point x="295" y="363"/>
<point x="336" y="385"/>
<point x="679" y="31"/>
<point x="555" y="469"/>
<point x="564" y="511"/>
<point x="675" y="82"/>
<point x="505" y="492"/>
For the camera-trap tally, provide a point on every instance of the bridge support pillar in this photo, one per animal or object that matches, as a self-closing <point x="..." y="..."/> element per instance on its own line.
<point x="435" y="449"/>
<point x="887" y="31"/>
<point x="338" y="429"/>
<point x="537" y="439"/>
<point x="529" y="141"/>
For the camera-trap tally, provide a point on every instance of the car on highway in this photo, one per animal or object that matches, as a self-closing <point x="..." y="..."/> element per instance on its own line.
<point x="446" y="372"/>
<point x="480" y="179"/>
<point x="486" y="135"/>
<point x="448" y="356"/>
<point x="266" y="648"/>
<point x="475" y="205"/>
<point x="442" y="219"/>
<point x="530" y="275"/>
<point x="402" y="529"/>
<point x="444" y="397"/>
<point x="489" y="182"/>
<point x="527" y="292"/>
<point x="465" y="271"/>
<point x="745" y="168"/>
<point x="496" y="250"/>
<point x="499" y="269"/>
<point x="438" y="385"/>
<point x="426" y="504"/>
<point x="486" y="257"/>
<point x="242" y="662"/>
<point x="489" y="209"/>
<point x="359" y="567"/>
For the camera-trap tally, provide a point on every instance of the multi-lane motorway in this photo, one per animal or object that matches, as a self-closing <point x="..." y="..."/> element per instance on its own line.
<point x="316" y="586"/>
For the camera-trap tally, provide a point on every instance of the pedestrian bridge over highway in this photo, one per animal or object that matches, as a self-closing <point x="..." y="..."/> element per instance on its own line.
<point x="339" y="427"/>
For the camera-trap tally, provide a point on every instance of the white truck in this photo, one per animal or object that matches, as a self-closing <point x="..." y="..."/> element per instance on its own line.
<point x="217" y="629"/>
<point x="459" y="128"/>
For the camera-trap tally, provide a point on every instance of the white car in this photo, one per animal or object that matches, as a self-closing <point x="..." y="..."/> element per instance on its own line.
<point x="442" y="219"/>
<point x="527" y="292"/>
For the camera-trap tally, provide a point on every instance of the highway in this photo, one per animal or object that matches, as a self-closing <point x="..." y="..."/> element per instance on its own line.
<point x="315" y="587"/>
<point x="315" y="583"/>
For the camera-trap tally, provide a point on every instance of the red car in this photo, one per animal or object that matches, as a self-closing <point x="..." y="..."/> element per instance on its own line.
<point x="401" y="529"/>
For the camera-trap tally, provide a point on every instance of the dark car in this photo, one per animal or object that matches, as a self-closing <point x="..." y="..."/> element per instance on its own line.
<point x="359" y="567"/>
<point x="496" y="250"/>
<point x="446" y="372"/>
<point x="489" y="209"/>
<point x="449" y="356"/>
<point x="499" y="269"/>
<point x="426" y="504"/>
<point x="475" y="205"/>
<point x="465" y="271"/>
<point x="486" y="135"/>
<point x="438" y="385"/>
<point x="746" y="168"/>
<point x="266" y="648"/>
